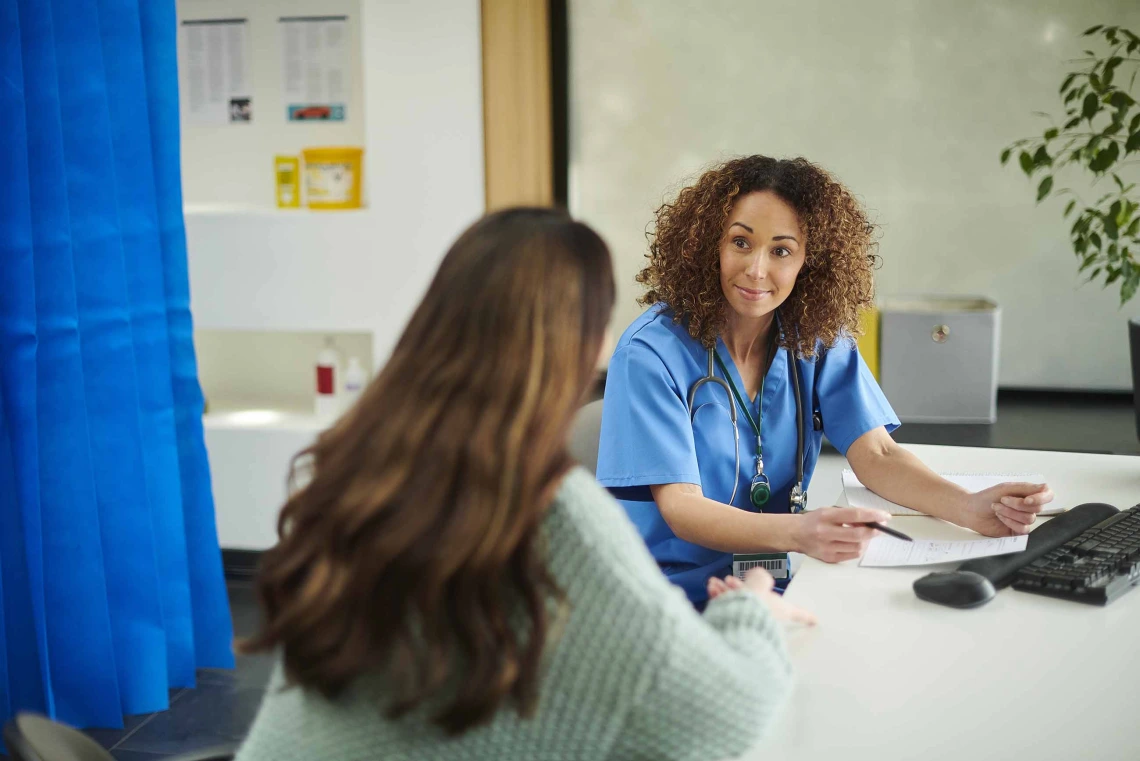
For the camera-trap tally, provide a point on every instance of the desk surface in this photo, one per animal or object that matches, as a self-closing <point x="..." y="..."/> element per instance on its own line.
<point x="888" y="676"/>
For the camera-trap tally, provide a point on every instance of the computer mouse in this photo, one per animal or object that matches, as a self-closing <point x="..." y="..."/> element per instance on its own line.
<point x="957" y="589"/>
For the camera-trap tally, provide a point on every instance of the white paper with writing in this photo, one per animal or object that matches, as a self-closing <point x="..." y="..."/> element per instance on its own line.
<point x="886" y="550"/>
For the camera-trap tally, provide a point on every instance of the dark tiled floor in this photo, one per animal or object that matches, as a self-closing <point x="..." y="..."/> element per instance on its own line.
<point x="217" y="712"/>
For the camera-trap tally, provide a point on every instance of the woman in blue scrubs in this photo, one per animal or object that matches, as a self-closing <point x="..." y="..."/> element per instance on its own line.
<point x="766" y="262"/>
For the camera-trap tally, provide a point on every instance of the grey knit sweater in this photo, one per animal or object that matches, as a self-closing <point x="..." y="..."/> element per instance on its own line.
<point x="634" y="672"/>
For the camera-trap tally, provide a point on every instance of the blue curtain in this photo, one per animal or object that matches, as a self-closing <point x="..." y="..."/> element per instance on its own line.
<point x="110" y="574"/>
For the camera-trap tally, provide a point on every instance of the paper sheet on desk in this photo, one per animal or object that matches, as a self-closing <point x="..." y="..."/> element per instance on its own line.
<point x="859" y="495"/>
<point x="885" y="550"/>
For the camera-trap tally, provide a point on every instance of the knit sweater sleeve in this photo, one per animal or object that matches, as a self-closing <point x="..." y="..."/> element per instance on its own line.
<point x="717" y="680"/>
<point x="724" y="681"/>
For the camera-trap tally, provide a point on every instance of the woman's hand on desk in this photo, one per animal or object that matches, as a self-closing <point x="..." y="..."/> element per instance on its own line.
<point x="835" y="534"/>
<point x="760" y="583"/>
<point x="1007" y="509"/>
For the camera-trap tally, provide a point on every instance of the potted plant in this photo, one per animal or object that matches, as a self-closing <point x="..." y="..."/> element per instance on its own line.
<point x="1098" y="135"/>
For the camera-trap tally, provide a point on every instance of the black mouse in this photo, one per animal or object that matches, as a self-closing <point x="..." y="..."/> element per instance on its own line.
<point x="957" y="589"/>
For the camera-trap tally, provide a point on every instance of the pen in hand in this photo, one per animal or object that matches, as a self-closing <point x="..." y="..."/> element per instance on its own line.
<point x="891" y="531"/>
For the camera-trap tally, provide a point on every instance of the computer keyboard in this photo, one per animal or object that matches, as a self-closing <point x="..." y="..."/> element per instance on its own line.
<point x="1096" y="566"/>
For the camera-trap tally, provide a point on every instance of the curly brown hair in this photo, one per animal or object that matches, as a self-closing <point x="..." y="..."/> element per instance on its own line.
<point x="834" y="285"/>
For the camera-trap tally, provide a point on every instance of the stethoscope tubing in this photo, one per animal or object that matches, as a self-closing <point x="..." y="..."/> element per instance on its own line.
<point x="798" y="494"/>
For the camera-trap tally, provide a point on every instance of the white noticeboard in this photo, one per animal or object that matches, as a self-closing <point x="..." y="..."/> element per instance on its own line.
<point x="314" y="67"/>
<point x="214" y="60"/>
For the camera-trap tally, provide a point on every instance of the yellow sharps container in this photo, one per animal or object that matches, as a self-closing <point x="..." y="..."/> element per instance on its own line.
<point x="333" y="177"/>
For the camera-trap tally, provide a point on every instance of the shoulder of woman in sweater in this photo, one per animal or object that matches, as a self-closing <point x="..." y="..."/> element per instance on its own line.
<point x="586" y="522"/>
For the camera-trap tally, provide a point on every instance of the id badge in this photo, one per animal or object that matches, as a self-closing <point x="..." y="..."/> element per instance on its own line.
<point x="776" y="563"/>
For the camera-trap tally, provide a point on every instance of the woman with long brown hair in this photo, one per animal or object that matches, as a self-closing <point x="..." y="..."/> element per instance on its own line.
<point x="447" y="585"/>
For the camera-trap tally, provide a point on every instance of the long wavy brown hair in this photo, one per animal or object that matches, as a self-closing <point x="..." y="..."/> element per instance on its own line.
<point x="414" y="548"/>
<point x="834" y="285"/>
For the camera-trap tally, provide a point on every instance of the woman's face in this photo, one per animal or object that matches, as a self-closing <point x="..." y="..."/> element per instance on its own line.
<point x="761" y="253"/>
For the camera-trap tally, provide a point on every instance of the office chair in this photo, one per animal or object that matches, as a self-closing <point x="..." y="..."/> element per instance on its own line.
<point x="584" y="435"/>
<point x="31" y="737"/>
<point x="1134" y="340"/>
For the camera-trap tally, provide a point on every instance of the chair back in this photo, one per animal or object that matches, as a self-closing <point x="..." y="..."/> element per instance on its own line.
<point x="585" y="433"/>
<point x="31" y="737"/>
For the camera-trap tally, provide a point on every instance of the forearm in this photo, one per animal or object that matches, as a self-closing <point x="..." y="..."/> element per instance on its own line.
<point x="895" y="474"/>
<point x="708" y="523"/>
<point x="718" y="690"/>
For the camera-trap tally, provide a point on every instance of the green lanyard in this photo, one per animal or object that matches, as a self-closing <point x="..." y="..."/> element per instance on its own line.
<point x="754" y="422"/>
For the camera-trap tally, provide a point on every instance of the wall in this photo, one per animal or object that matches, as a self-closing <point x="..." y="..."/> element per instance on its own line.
<point x="909" y="103"/>
<point x="361" y="272"/>
<point x="296" y="270"/>
<point x="233" y="163"/>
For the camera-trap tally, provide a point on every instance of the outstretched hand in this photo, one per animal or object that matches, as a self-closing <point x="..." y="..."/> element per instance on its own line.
<point x="760" y="583"/>
<point x="1008" y="509"/>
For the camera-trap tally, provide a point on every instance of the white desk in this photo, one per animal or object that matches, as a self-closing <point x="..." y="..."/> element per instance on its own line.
<point x="887" y="676"/>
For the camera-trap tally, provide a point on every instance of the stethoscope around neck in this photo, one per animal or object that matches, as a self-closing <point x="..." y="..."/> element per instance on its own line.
<point x="760" y="489"/>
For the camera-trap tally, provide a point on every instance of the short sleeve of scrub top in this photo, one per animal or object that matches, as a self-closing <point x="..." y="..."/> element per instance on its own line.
<point x="848" y="398"/>
<point x="646" y="435"/>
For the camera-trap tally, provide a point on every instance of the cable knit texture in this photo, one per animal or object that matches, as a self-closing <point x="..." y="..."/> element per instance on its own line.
<point x="633" y="672"/>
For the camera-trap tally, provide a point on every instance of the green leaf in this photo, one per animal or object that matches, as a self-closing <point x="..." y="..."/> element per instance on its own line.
<point x="1069" y="208"/>
<point x="1109" y="68"/>
<point x="1041" y="157"/>
<point x="1093" y="30"/>
<point x="1133" y="143"/>
<point x="1092" y="276"/>
<point x="1068" y="81"/>
<point x="1116" y="179"/>
<point x="1044" y="188"/>
<point x="1051" y="133"/>
<point x="1125" y="213"/>
<point x="1121" y="99"/>
<point x="1134" y="125"/>
<point x="1026" y="163"/>
<point x="1128" y="289"/>
<point x="1090" y="106"/>
<point x="1073" y="122"/>
<point x="1094" y="80"/>
<point x="1005" y="156"/>
<point x="1112" y="128"/>
<point x="1105" y="158"/>
<point x="1133" y="229"/>
<point x="1113" y="276"/>
<point x="1110" y="228"/>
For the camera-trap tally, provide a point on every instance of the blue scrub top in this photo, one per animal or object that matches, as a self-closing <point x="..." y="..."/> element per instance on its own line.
<point x="647" y="436"/>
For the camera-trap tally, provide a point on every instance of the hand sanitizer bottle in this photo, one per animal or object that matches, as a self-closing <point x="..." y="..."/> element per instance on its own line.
<point x="354" y="381"/>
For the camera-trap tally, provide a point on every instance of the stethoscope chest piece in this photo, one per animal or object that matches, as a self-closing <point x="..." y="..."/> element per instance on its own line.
<point x="760" y="491"/>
